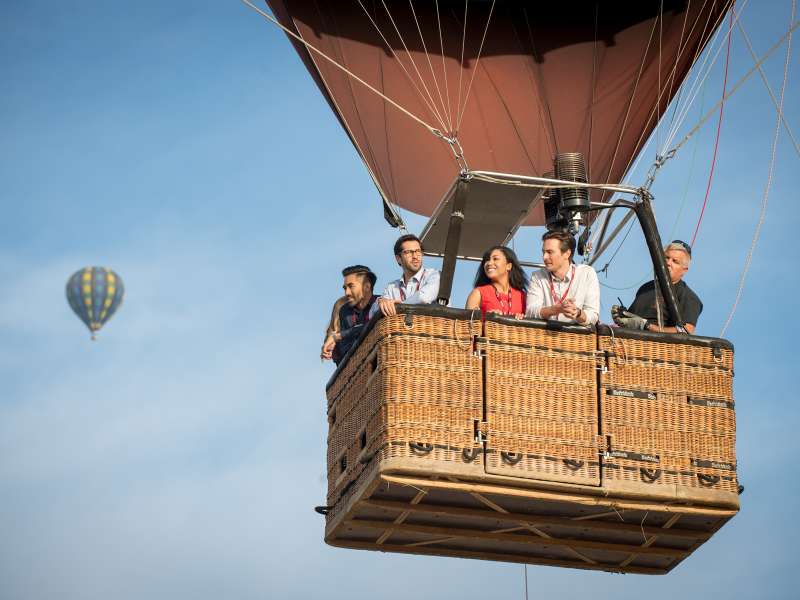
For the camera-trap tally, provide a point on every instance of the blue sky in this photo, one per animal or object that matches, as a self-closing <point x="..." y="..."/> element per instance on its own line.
<point x="184" y="145"/>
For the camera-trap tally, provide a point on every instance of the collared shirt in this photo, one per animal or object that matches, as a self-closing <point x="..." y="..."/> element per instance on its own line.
<point x="584" y="290"/>
<point x="422" y="288"/>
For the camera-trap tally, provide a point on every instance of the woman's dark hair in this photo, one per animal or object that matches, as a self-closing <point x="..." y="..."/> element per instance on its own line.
<point x="516" y="276"/>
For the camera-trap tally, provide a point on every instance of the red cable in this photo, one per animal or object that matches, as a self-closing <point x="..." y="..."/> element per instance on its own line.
<point x="719" y="128"/>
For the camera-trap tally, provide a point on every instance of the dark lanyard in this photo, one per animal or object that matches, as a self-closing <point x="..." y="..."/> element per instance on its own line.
<point x="553" y="289"/>
<point x="403" y="292"/>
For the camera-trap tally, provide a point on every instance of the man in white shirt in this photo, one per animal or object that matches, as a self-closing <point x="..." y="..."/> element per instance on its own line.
<point x="563" y="290"/>
<point x="417" y="285"/>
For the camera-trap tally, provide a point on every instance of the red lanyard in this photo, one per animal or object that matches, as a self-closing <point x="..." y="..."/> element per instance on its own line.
<point x="553" y="289"/>
<point x="502" y="302"/>
<point x="402" y="287"/>
<point x="364" y="311"/>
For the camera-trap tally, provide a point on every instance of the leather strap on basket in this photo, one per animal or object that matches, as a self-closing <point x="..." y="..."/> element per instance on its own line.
<point x="409" y="320"/>
<point x="420" y="448"/>
<point x="650" y="475"/>
<point x="511" y="458"/>
<point x="573" y="465"/>
<point x="470" y="454"/>
<point x="707" y="479"/>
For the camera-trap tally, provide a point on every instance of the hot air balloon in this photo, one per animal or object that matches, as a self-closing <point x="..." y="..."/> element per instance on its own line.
<point x="95" y="294"/>
<point x="524" y="441"/>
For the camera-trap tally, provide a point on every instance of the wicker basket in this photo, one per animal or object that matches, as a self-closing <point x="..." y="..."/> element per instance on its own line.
<point x="541" y="401"/>
<point x="668" y="416"/>
<point x="411" y="394"/>
<point x="530" y="441"/>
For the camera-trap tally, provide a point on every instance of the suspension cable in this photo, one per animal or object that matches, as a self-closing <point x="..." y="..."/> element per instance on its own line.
<point x="430" y="65"/>
<point x="769" y="89"/>
<point x="414" y="64"/>
<point x="719" y="129"/>
<point x="662" y="158"/>
<point x="431" y="108"/>
<point x="765" y="199"/>
<point x="475" y="68"/>
<point x="734" y="89"/>
<point x="344" y="69"/>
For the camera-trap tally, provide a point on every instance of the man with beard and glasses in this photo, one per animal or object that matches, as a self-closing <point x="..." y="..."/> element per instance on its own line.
<point x="418" y="285"/>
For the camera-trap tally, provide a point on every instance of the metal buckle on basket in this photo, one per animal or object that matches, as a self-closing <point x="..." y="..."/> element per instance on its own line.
<point x="420" y="448"/>
<point x="573" y="465"/>
<point x="511" y="458"/>
<point x="650" y="475"/>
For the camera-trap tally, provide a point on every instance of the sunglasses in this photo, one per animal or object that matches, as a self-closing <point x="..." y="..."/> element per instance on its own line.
<point x="684" y="245"/>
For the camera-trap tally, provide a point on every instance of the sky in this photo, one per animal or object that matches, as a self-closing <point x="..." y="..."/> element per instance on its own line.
<point x="180" y="456"/>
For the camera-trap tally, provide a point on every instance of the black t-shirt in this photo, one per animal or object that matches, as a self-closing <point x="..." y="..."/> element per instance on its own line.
<point x="644" y="304"/>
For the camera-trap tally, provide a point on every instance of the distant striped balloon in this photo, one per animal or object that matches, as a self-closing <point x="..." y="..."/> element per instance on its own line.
<point x="95" y="293"/>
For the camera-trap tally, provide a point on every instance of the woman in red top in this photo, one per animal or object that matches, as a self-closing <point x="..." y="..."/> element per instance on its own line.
<point x="500" y="284"/>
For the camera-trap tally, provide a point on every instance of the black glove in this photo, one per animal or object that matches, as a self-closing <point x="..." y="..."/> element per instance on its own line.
<point x="625" y="318"/>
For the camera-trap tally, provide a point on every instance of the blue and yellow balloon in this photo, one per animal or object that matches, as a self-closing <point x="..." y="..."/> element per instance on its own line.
<point x="95" y="293"/>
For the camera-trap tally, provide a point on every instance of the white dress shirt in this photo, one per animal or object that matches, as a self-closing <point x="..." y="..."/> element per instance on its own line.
<point x="584" y="290"/>
<point x="422" y="288"/>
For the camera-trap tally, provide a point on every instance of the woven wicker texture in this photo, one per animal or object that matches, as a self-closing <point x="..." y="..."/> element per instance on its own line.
<point x="412" y="389"/>
<point x="680" y="412"/>
<point x="541" y="403"/>
<point x="415" y="389"/>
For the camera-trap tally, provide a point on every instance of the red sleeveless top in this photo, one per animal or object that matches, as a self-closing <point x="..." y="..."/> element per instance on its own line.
<point x="512" y="303"/>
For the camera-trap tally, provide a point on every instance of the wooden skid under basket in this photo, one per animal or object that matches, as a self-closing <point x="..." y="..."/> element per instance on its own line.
<point x="446" y="517"/>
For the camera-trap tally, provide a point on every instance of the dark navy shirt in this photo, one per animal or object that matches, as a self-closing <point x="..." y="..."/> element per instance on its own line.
<point x="351" y="323"/>
<point x="689" y="304"/>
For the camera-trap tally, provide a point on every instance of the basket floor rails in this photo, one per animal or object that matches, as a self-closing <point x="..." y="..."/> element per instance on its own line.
<point x="530" y="441"/>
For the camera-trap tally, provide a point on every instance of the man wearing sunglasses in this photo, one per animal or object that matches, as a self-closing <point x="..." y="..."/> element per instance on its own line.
<point x="418" y="285"/>
<point x="644" y="312"/>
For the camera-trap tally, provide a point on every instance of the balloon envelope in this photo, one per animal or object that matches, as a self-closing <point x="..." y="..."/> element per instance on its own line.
<point x="543" y="78"/>
<point x="95" y="294"/>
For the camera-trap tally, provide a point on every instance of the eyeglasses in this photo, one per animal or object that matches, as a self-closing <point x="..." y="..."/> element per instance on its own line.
<point x="684" y="245"/>
<point x="416" y="252"/>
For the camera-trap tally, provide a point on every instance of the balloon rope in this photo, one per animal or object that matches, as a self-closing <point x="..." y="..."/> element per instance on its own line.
<point x="426" y="101"/>
<point x="733" y="90"/>
<point x="719" y="129"/>
<point x="430" y="65"/>
<point x="765" y="199"/>
<point x="637" y="155"/>
<point x="683" y="110"/>
<point x="272" y="19"/>
<point x="393" y="208"/>
<point x="444" y="68"/>
<point x="414" y="64"/>
<point x="769" y="89"/>
<point x="475" y="69"/>
<point x="710" y="58"/>
<point x="630" y="101"/>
